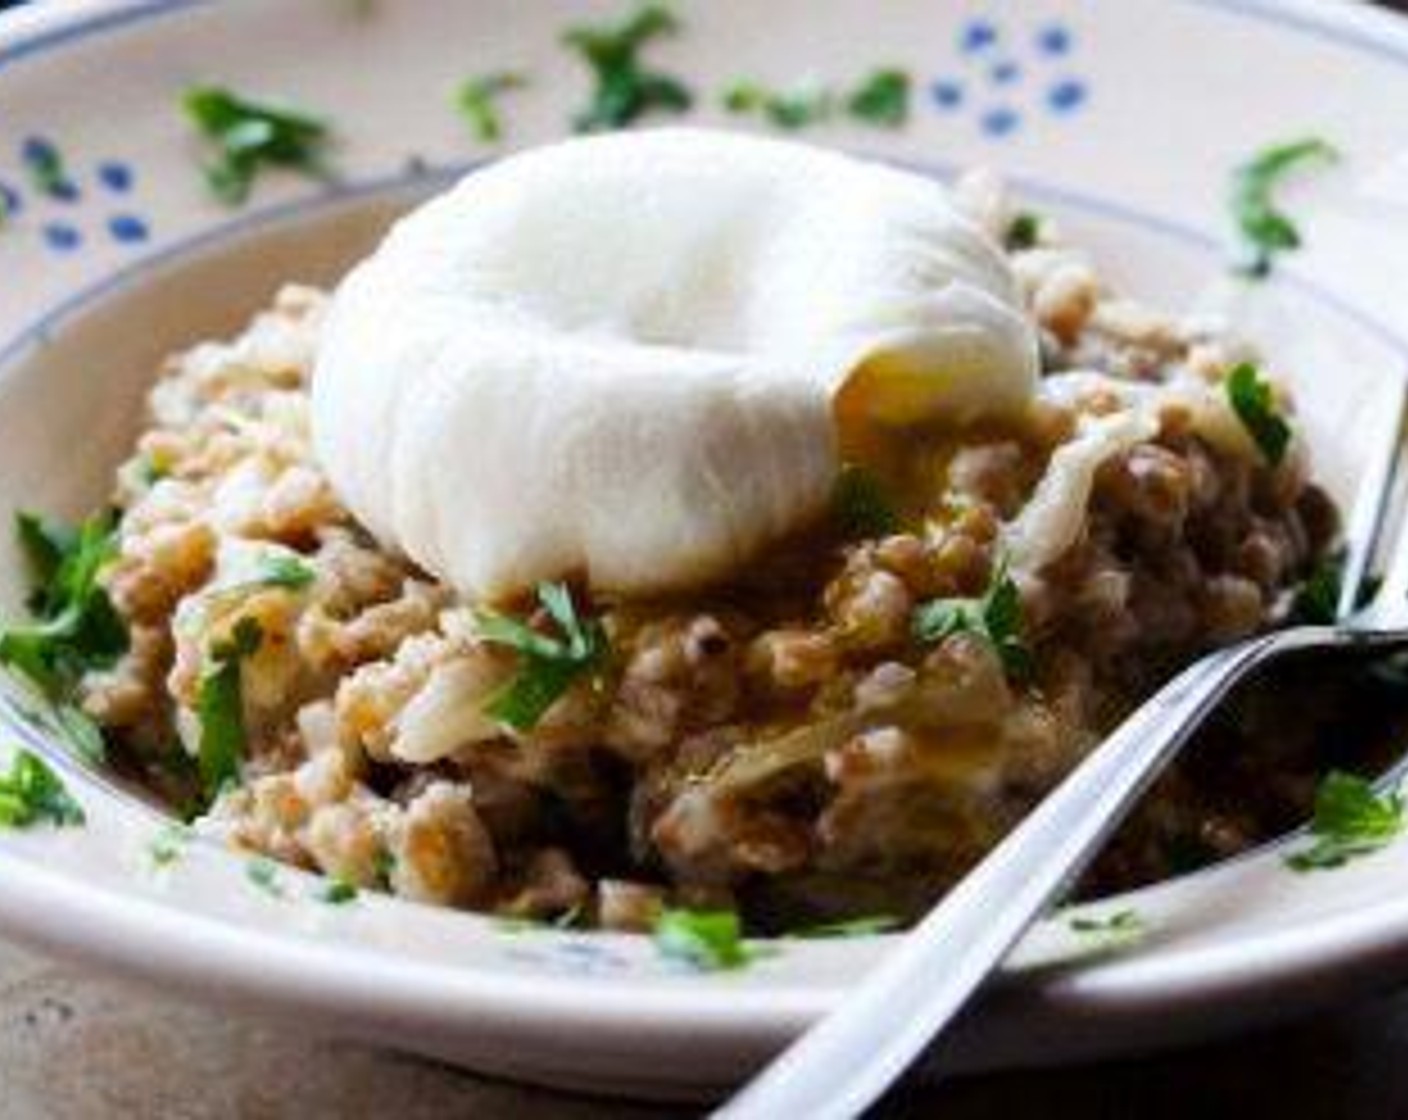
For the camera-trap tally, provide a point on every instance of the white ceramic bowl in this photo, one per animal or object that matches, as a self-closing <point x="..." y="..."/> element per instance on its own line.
<point x="1120" y="117"/>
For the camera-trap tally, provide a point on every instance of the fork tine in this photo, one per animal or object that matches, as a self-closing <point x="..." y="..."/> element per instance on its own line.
<point x="1372" y="515"/>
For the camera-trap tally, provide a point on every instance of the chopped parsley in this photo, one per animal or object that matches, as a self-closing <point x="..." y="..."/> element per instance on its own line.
<point x="1350" y="820"/>
<point x="790" y="109"/>
<point x="859" y="505"/>
<point x="83" y="732"/>
<point x="384" y="866"/>
<point x="250" y="135"/>
<point x="1023" y="231"/>
<point x="625" y="88"/>
<point x="338" y="892"/>
<point x="709" y="940"/>
<point x="264" y="874"/>
<point x="478" y="102"/>
<point x="1317" y="599"/>
<point x="867" y="926"/>
<point x="31" y="793"/>
<point x="220" y="709"/>
<point x="881" y="99"/>
<point x="1267" y="231"/>
<point x="548" y="665"/>
<point x="46" y="171"/>
<point x="1253" y="401"/>
<point x="995" y="617"/>
<point x="78" y="628"/>
<point x="1122" y="923"/>
<point x="282" y="570"/>
<point x="169" y="845"/>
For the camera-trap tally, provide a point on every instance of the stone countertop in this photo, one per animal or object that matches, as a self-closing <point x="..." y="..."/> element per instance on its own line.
<point x="77" y="1046"/>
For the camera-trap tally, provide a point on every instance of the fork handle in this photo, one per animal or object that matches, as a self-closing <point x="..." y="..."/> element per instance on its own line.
<point x="846" y="1062"/>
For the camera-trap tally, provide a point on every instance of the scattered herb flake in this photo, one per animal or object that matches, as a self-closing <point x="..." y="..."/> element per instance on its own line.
<point x="478" y="102"/>
<point x="790" y="109"/>
<point x="250" y="135"/>
<point x="30" y="793"/>
<point x="1317" y="599"/>
<point x="264" y="874"/>
<point x="338" y="892"/>
<point x="1350" y="820"/>
<point x="868" y="926"/>
<point x="1267" y="231"/>
<point x="860" y="507"/>
<point x="625" y="89"/>
<point x="709" y="940"/>
<point x="45" y="167"/>
<point x="220" y="709"/>
<point x="548" y="665"/>
<point x="1122" y="923"/>
<point x="996" y="617"/>
<point x="82" y="732"/>
<point x="384" y="866"/>
<point x="169" y="845"/>
<point x="1023" y="231"/>
<point x="881" y="99"/>
<point x="282" y="570"/>
<point x="78" y="628"/>
<point x="1254" y="402"/>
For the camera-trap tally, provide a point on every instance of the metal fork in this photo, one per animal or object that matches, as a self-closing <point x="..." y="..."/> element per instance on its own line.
<point x="847" y="1061"/>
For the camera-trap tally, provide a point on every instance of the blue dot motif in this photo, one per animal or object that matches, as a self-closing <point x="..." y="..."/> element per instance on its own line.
<point x="1054" y="40"/>
<point x="116" y="177"/>
<point x="1004" y="73"/>
<point x="10" y="200"/>
<point x="947" y="94"/>
<point x="128" y="228"/>
<point x="62" y="237"/>
<point x="978" y="35"/>
<point x="999" y="122"/>
<point x="1067" y="95"/>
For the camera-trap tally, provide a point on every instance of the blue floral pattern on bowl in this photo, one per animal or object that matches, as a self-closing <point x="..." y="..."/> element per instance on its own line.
<point x="72" y="206"/>
<point x="1007" y="77"/>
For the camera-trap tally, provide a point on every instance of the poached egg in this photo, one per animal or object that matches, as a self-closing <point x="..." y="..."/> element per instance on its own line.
<point x="622" y="357"/>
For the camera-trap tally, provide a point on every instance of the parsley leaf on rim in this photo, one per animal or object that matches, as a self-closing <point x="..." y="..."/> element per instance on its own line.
<point x="250" y="135"/>
<point x="1254" y="402"/>
<point x="548" y="665"/>
<point x="709" y="940"/>
<point x="996" y="617"/>
<point x="31" y="792"/>
<point x="881" y="99"/>
<point x="478" y="102"/>
<point x="625" y="88"/>
<point x="1266" y="230"/>
<point x="790" y="109"/>
<point x="1350" y="820"/>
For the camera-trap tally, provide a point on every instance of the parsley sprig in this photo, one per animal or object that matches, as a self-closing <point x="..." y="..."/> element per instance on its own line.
<point x="708" y="940"/>
<point x="220" y="708"/>
<point x="995" y="616"/>
<point x="1254" y="402"/>
<point x="1266" y="230"/>
<point x="478" y="102"/>
<point x="250" y="135"/>
<point x="78" y="628"/>
<point x="31" y="792"/>
<point x="548" y="664"/>
<point x="1350" y="820"/>
<point x="625" y="88"/>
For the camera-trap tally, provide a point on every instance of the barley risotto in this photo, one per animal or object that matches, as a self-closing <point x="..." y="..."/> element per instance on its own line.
<point x="840" y="726"/>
